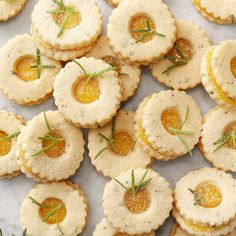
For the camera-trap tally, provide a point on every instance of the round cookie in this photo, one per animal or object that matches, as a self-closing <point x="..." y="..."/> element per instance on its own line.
<point x="141" y="32"/>
<point x="217" y="139"/>
<point x="10" y="128"/>
<point x="129" y="74"/>
<point x="104" y="228"/>
<point x="137" y="201"/>
<point x="82" y="92"/>
<point x="50" y="148"/>
<point x="54" y="209"/>
<point x="180" y="67"/>
<point x="26" y="76"/>
<point x="206" y="196"/>
<point x="177" y="231"/>
<point x="112" y="157"/>
<point x="174" y="126"/>
<point x="67" y="24"/>
<point x="10" y="8"/>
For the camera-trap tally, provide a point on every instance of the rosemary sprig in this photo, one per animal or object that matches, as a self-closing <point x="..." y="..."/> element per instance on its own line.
<point x="38" y="65"/>
<point x="15" y="135"/>
<point x="135" y="188"/>
<point x="24" y="233"/>
<point x="1" y="234"/>
<point x="197" y="197"/>
<point x="55" y="211"/>
<point x="110" y="141"/>
<point x="146" y="32"/>
<point x="231" y="135"/>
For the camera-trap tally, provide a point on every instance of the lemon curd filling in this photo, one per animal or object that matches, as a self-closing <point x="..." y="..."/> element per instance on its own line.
<point x="86" y="91"/>
<point x="53" y="203"/>
<point x="5" y="146"/>
<point x="139" y="203"/>
<point x="124" y="144"/>
<point x="212" y="80"/>
<point x="23" y="68"/>
<point x="140" y="23"/>
<point x="233" y="67"/>
<point x="231" y="127"/>
<point x="113" y="62"/>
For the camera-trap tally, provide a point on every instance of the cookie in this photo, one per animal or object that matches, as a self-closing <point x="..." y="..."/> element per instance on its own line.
<point x="82" y="92"/>
<point x="104" y="228"/>
<point x="177" y="231"/>
<point x="141" y="32"/>
<point x="10" y="128"/>
<point x="206" y="196"/>
<point x="137" y="201"/>
<point x="174" y="126"/>
<point x="129" y="74"/>
<point x="54" y="209"/>
<point x="180" y="67"/>
<point x="50" y="148"/>
<point x="112" y="157"/>
<point x="26" y="76"/>
<point x="10" y="8"/>
<point x="114" y="3"/>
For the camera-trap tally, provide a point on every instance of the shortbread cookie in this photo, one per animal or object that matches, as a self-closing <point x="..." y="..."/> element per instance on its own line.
<point x="218" y="137"/>
<point x="137" y="201"/>
<point x="177" y="231"/>
<point x="174" y="126"/>
<point x="10" y="8"/>
<point x="125" y="153"/>
<point x="63" y="201"/>
<point x="87" y="91"/>
<point x="67" y="24"/>
<point x="10" y="128"/>
<point x="141" y="31"/>
<point x="218" y="12"/>
<point x="104" y="228"/>
<point x="210" y="82"/>
<point x="180" y="67"/>
<point x="203" y="229"/>
<point x="50" y="148"/>
<point x="26" y="75"/>
<point x="129" y="74"/>
<point x="206" y="196"/>
<point x="114" y="3"/>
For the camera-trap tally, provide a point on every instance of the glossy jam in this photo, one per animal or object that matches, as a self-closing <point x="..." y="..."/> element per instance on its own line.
<point x="140" y="23"/>
<point x="124" y="144"/>
<point x="53" y="203"/>
<point x="138" y="204"/>
<point x="233" y="66"/>
<point x="202" y="228"/>
<point x="229" y="128"/>
<point x="86" y="92"/>
<point x="112" y="61"/>
<point x="57" y="149"/>
<point x="5" y="146"/>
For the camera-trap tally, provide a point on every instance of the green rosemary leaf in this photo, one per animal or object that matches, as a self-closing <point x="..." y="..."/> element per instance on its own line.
<point x="100" y="73"/>
<point x="123" y="74"/>
<point x="179" y="131"/>
<point x="120" y="184"/>
<point x="142" y="184"/>
<point x="62" y="26"/>
<point x="133" y="187"/>
<point x="148" y="25"/>
<point x="51" y="213"/>
<point x="197" y="197"/>
<point x="100" y="152"/>
<point x="58" y="225"/>
<point x="81" y="67"/>
<point x="49" y="137"/>
<point x="104" y="137"/>
<point x="170" y="57"/>
<point x="15" y="135"/>
<point x="113" y="129"/>
<point x="38" y="54"/>
<point x="222" y="141"/>
<point x="160" y="35"/>
<point x="180" y="53"/>
<point x="139" y="31"/>
<point x="37" y="153"/>
<point x="142" y="37"/>
<point x="48" y="66"/>
<point x="24" y="233"/>
<point x="47" y="123"/>
<point x="39" y="204"/>
<point x="186" y="117"/>
<point x="185" y="145"/>
<point x="180" y="63"/>
<point x="1" y="234"/>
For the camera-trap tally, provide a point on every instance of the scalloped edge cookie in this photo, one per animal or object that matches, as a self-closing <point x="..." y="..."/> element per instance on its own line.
<point x="177" y="231"/>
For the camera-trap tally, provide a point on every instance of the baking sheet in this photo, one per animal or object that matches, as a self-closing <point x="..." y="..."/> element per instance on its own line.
<point x="13" y="191"/>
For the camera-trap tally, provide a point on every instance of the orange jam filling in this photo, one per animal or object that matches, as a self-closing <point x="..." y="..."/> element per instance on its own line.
<point x="233" y="66"/>
<point x="53" y="203"/>
<point x="72" y="21"/>
<point x="171" y="119"/>
<point x="56" y="150"/>
<point x="138" y="204"/>
<point x="86" y="92"/>
<point x="23" y="69"/>
<point x="210" y="194"/>
<point x="140" y="23"/>
<point x="231" y="127"/>
<point x="202" y="228"/>
<point x="5" y="146"/>
<point x="124" y="144"/>
<point x="112" y="61"/>
<point x="185" y="47"/>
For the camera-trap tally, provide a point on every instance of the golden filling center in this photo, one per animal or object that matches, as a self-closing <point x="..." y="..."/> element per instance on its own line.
<point x="171" y="119"/>
<point x="138" y="204"/>
<point x="86" y="91"/>
<point x="140" y="23"/>
<point x="112" y="61"/>
<point x="122" y="234"/>
<point x="23" y="69"/>
<point x="233" y="66"/>
<point x="183" y="49"/>
<point x="124" y="144"/>
<point x="231" y="127"/>
<point x="73" y="19"/>
<point x="55" y="150"/>
<point x="53" y="203"/>
<point x="5" y="146"/>
<point x="210" y="194"/>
